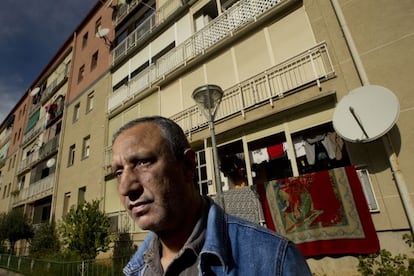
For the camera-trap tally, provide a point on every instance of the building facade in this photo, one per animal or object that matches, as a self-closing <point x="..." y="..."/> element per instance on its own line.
<point x="284" y="65"/>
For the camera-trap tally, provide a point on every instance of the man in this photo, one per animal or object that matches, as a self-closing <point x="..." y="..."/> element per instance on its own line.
<point x="190" y="234"/>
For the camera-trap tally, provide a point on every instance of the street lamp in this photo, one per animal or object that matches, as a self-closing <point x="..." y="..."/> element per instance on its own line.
<point x="208" y="98"/>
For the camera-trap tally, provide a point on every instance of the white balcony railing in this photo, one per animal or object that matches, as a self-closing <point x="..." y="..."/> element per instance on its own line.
<point x="40" y="125"/>
<point x="310" y="66"/>
<point x="239" y="15"/>
<point x="35" y="190"/>
<point x="50" y="89"/>
<point x="25" y="163"/>
<point x="147" y="26"/>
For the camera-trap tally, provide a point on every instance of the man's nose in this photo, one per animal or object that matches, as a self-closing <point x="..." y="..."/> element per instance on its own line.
<point x="129" y="184"/>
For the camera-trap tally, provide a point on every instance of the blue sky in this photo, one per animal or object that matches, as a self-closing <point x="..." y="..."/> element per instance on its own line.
<point x="31" y="32"/>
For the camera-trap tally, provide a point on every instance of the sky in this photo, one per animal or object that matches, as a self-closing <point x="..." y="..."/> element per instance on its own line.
<point x="31" y="33"/>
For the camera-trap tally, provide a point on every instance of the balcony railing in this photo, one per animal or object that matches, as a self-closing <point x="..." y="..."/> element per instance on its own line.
<point x="124" y="10"/>
<point x="29" y="160"/>
<point x="239" y="15"/>
<point x="146" y="27"/>
<point x="310" y="66"/>
<point x="50" y="147"/>
<point x="40" y="125"/>
<point x="41" y="188"/>
<point x="51" y="88"/>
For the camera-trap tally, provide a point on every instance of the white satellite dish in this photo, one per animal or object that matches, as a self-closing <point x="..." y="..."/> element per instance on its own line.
<point x="366" y="113"/>
<point x="51" y="162"/>
<point x="101" y="33"/>
<point x="34" y="91"/>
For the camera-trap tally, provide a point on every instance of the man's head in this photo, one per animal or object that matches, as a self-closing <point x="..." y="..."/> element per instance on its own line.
<point x="154" y="167"/>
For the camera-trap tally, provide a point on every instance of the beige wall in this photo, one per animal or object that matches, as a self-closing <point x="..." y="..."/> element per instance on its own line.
<point x="85" y="171"/>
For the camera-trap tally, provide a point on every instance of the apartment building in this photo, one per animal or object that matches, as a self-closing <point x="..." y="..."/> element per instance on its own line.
<point x="283" y="65"/>
<point x="11" y="135"/>
<point x="81" y="156"/>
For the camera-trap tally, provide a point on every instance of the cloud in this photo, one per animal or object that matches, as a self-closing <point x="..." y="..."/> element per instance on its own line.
<point x="31" y="33"/>
<point x="9" y="96"/>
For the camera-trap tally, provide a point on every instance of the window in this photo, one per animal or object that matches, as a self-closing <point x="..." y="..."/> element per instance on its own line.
<point x="85" y="40"/>
<point x="94" y="60"/>
<point x="81" y="195"/>
<point x="203" y="16"/>
<point x="76" y="112"/>
<point x="66" y="201"/>
<point x="71" y="159"/>
<point x="81" y="73"/>
<point x="90" y="101"/>
<point x="363" y="175"/>
<point x="86" y="147"/>
<point x="8" y="190"/>
<point x="202" y="172"/>
<point x="98" y="24"/>
<point x="113" y="220"/>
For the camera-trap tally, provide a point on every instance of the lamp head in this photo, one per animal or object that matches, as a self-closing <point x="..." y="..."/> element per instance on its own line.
<point x="208" y="96"/>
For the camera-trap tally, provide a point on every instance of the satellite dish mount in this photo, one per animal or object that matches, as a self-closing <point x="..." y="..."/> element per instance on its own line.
<point x="103" y="34"/>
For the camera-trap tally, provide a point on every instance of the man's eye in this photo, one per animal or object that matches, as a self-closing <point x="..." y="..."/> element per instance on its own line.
<point x="117" y="173"/>
<point x="143" y="162"/>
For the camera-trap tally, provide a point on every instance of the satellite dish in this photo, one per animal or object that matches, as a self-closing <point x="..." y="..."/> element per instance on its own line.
<point x="366" y="113"/>
<point x="50" y="163"/>
<point x="102" y="32"/>
<point x="34" y="91"/>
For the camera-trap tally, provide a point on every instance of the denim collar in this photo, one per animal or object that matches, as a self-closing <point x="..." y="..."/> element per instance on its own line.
<point x="216" y="243"/>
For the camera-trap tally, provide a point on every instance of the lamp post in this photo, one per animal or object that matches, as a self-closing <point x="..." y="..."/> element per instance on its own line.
<point x="208" y="98"/>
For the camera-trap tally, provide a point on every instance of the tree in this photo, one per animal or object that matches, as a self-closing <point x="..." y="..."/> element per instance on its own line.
<point x="15" y="226"/>
<point x="85" y="230"/>
<point x="45" y="242"/>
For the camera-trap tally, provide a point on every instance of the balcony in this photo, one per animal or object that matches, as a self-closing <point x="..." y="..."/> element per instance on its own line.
<point x="39" y="127"/>
<point x="36" y="190"/>
<point x="307" y="68"/>
<point x="311" y="66"/>
<point x="124" y="10"/>
<point x="239" y="15"/>
<point x="28" y="161"/>
<point x="53" y="86"/>
<point x="50" y="147"/>
<point x="146" y="27"/>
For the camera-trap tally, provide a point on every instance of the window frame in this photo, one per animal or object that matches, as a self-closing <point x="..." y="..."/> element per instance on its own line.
<point x="86" y="147"/>
<point x="72" y="153"/>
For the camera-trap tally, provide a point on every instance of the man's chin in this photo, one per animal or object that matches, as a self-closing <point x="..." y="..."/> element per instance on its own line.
<point x="145" y="223"/>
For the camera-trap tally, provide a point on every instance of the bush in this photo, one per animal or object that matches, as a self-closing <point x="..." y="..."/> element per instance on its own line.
<point x="384" y="263"/>
<point x="45" y="242"/>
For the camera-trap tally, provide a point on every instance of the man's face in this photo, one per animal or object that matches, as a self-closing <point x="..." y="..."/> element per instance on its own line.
<point x="152" y="184"/>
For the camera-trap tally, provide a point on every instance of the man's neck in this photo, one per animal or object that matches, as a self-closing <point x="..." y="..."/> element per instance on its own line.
<point x="172" y="242"/>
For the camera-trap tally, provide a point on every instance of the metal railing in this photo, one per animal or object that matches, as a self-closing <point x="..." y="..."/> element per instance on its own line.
<point x="31" y="266"/>
<point x="39" y="127"/>
<point x="124" y="10"/>
<point x="29" y="160"/>
<point x="35" y="189"/>
<point x="310" y="66"/>
<point x="50" y="147"/>
<point x="239" y="15"/>
<point x="51" y="88"/>
<point x="146" y="27"/>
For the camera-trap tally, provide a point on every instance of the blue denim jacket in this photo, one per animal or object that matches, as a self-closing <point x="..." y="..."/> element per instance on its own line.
<point x="234" y="246"/>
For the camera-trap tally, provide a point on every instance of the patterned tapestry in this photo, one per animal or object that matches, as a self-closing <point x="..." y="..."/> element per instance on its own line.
<point x="323" y="212"/>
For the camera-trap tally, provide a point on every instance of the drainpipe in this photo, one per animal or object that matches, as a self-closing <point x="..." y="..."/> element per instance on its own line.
<point x="386" y="139"/>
